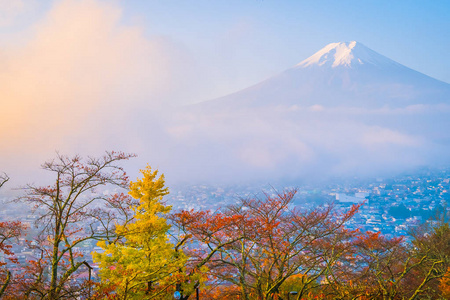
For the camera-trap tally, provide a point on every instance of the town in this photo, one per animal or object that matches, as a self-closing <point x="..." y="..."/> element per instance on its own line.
<point x="392" y="206"/>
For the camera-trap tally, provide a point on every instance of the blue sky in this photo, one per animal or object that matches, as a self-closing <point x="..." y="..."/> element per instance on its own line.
<point x="274" y="35"/>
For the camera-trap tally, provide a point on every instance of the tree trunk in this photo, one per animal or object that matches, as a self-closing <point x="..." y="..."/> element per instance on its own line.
<point x="5" y="285"/>
<point x="54" y="271"/>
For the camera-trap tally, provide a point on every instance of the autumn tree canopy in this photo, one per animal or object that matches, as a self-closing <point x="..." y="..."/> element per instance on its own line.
<point x="261" y="248"/>
<point x="142" y="263"/>
<point x="255" y="246"/>
<point x="9" y="231"/>
<point x="74" y="209"/>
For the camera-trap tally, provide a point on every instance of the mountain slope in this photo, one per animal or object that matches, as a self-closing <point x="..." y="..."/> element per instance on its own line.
<point x="341" y="74"/>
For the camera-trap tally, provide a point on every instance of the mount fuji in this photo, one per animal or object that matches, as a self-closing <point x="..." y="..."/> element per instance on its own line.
<point x="342" y="74"/>
<point x="344" y="111"/>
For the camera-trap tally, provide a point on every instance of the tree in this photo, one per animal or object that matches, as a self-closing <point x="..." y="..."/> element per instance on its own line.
<point x="258" y="244"/>
<point x="8" y="232"/>
<point x="4" y="178"/>
<point x="432" y="245"/>
<point x="200" y="227"/>
<point x="378" y="267"/>
<point x="75" y="209"/>
<point x="143" y="263"/>
<point x="444" y="284"/>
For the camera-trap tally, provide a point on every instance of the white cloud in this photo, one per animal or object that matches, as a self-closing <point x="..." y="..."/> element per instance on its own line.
<point x="81" y="82"/>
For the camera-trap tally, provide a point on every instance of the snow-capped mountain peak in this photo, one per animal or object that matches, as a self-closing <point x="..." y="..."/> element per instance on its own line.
<point x="342" y="75"/>
<point x="345" y="54"/>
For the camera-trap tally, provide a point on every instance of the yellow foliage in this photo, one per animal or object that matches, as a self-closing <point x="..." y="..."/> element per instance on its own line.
<point x="144" y="262"/>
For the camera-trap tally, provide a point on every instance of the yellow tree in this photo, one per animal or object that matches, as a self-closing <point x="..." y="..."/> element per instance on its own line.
<point x="143" y="262"/>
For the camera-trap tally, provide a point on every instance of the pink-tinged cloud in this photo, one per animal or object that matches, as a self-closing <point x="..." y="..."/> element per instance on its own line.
<point x="76" y="82"/>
